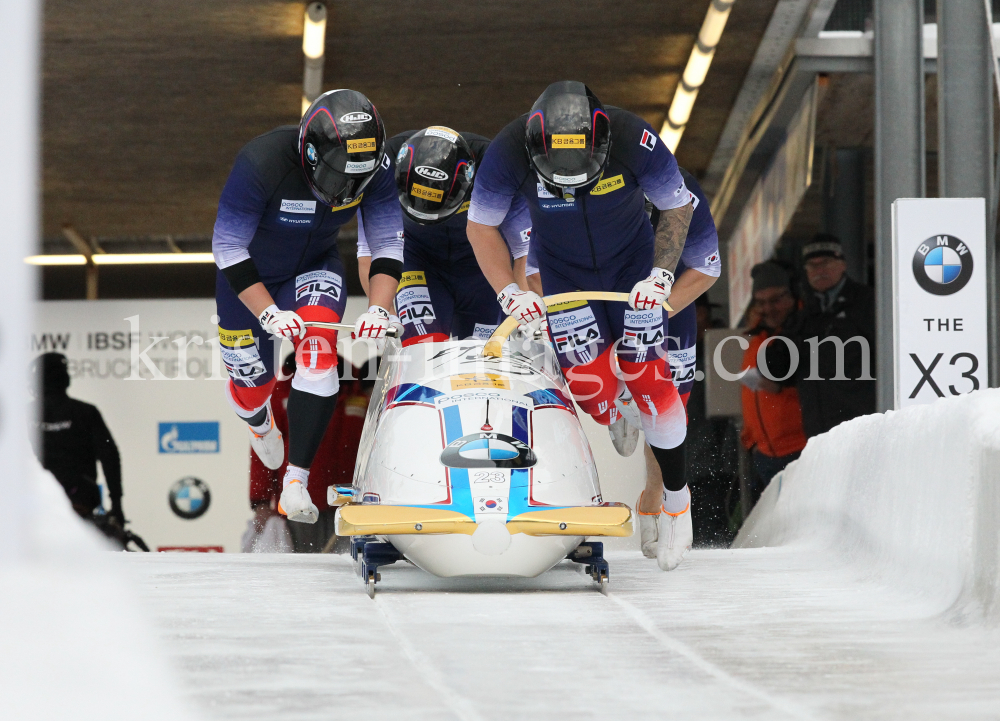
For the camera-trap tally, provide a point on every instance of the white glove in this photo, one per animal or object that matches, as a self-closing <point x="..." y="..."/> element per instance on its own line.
<point x="284" y="323"/>
<point x="372" y="324"/>
<point x="396" y="325"/>
<point x="525" y="305"/>
<point x="650" y="293"/>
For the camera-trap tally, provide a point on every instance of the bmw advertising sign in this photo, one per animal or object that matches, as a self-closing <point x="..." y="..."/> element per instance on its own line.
<point x="939" y="298"/>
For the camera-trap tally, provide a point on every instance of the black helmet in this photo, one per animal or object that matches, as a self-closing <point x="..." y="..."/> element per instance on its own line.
<point x="51" y="373"/>
<point x="567" y="136"/>
<point x="341" y="145"/>
<point x="434" y="172"/>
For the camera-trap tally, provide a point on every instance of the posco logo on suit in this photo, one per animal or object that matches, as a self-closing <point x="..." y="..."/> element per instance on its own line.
<point x="195" y="437"/>
<point x="547" y="201"/>
<point x="298" y="206"/>
<point x="292" y="212"/>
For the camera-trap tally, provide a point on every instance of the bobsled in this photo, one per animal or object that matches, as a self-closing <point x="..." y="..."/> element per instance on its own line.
<point x="473" y="462"/>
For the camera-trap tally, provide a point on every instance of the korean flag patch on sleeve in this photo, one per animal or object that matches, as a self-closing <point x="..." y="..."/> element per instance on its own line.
<point x="648" y="140"/>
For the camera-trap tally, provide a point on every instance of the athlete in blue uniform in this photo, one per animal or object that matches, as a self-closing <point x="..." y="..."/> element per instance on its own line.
<point x="585" y="177"/>
<point x="700" y="255"/>
<point x="442" y="293"/>
<point x="275" y="244"/>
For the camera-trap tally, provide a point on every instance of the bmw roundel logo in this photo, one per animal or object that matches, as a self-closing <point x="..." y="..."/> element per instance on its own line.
<point x="942" y="265"/>
<point x="488" y="450"/>
<point x="470" y="171"/>
<point x="311" y="155"/>
<point x="402" y="153"/>
<point x="189" y="497"/>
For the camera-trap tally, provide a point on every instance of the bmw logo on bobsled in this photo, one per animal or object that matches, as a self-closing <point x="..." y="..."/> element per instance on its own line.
<point x="479" y="465"/>
<point x="487" y="450"/>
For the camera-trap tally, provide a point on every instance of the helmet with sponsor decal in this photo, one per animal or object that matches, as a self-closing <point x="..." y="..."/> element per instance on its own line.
<point x="434" y="173"/>
<point x="568" y="137"/>
<point x="341" y="146"/>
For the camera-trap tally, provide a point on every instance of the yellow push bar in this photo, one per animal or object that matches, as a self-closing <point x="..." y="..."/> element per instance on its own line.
<point x="611" y="519"/>
<point x="494" y="346"/>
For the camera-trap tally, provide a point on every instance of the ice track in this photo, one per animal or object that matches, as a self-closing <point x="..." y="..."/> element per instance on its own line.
<point x="865" y="585"/>
<point x="745" y="634"/>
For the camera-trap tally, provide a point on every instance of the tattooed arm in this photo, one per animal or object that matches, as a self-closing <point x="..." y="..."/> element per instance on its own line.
<point x="671" y="232"/>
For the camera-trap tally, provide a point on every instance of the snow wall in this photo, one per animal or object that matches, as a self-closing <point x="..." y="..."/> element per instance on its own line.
<point x="910" y="499"/>
<point x="75" y="642"/>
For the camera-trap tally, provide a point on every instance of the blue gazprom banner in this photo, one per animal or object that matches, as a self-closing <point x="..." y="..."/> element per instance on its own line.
<point x="191" y="437"/>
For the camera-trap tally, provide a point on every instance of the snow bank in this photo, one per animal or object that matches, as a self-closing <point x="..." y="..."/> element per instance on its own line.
<point x="73" y="644"/>
<point x="910" y="498"/>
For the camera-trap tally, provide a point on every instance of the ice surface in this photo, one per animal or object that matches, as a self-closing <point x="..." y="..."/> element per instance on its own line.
<point x="869" y="595"/>
<point x="748" y="634"/>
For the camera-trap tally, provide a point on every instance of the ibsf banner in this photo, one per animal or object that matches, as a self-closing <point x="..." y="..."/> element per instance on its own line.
<point x="939" y="298"/>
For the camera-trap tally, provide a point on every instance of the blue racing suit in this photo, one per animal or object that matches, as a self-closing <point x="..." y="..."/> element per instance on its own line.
<point x="701" y="252"/>
<point x="443" y="293"/>
<point x="271" y="228"/>
<point x="601" y="239"/>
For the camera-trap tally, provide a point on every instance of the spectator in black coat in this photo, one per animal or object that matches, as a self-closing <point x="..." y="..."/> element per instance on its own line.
<point x="837" y="310"/>
<point x="72" y="437"/>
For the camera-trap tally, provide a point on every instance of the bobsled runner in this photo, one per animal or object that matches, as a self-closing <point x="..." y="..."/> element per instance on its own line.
<point x="473" y="462"/>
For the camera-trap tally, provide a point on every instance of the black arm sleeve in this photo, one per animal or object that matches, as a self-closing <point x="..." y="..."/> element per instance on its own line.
<point x="241" y="275"/>
<point x="386" y="266"/>
<point x="106" y="451"/>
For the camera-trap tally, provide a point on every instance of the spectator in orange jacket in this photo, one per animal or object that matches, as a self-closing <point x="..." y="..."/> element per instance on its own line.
<point x="772" y="417"/>
<point x="333" y="465"/>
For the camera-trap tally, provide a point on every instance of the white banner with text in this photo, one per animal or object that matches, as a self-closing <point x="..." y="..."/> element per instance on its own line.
<point x="939" y="298"/>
